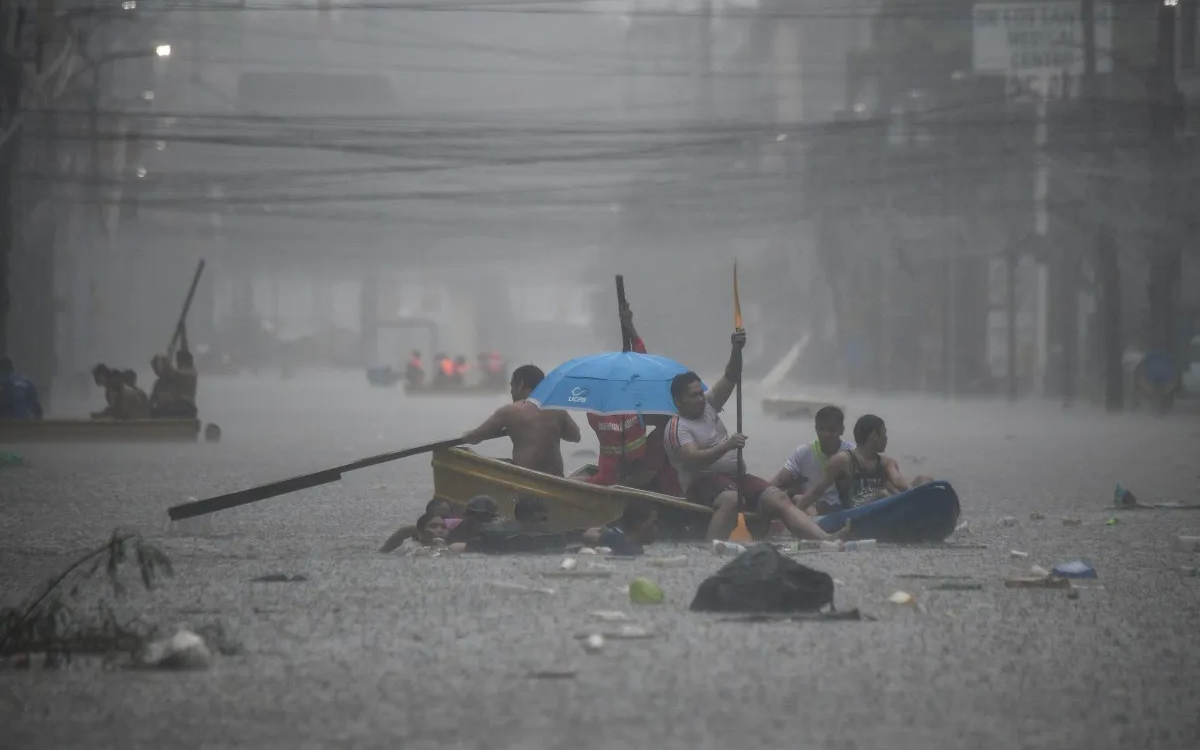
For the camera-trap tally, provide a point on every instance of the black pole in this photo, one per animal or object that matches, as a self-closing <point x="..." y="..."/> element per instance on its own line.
<point x="626" y="339"/>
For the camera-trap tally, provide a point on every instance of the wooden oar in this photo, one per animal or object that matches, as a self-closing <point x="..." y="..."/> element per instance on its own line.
<point x="737" y="326"/>
<point x="187" y="305"/>
<point x="303" y="482"/>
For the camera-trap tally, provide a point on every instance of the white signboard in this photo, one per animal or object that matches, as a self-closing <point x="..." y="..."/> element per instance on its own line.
<point x="1038" y="40"/>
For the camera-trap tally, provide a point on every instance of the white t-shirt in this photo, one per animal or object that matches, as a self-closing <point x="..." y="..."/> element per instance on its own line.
<point x="705" y="432"/>
<point x="806" y="461"/>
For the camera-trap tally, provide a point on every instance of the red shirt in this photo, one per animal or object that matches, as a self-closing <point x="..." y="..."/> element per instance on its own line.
<point x="613" y="430"/>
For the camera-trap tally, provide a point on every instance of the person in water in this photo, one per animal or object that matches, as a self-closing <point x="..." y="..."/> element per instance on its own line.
<point x="861" y="474"/>
<point x="173" y="395"/>
<point x="18" y="395"/>
<point x="531" y="514"/>
<point x="706" y="456"/>
<point x="437" y="507"/>
<point x="637" y="527"/>
<point x="536" y="433"/>
<point x="141" y="400"/>
<point x="807" y="462"/>
<point x="431" y="529"/>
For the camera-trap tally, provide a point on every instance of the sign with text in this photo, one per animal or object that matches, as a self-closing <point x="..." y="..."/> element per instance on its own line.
<point x="1038" y="40"/>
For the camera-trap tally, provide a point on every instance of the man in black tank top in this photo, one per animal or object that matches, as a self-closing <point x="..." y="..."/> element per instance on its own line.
<point x="863" y="474"/>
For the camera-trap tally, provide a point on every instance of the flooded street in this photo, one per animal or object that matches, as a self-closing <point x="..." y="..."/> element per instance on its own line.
<point x="388" y="651"/>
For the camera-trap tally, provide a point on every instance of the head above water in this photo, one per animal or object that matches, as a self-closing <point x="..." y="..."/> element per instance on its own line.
<point x="640" y="521"/>
<point x="688" y="394"/>
<point x="100" y="374"/>
<point x="530" y="511"/>
<point x="831" y="424"/>
<point x="431" y="526"/>
<point x="871" y="433"/>
<point x="481" y="508"/>
<point x="524" y="379"/>
<point x="440" y="507"/>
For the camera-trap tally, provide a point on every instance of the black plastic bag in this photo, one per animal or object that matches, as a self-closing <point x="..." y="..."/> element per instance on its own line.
<point x="763" y="580"/>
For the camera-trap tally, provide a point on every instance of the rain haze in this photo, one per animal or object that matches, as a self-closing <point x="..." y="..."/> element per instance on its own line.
<point x="313" y="243"/>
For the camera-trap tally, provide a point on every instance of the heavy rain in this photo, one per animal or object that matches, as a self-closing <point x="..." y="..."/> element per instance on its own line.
<point x="599" y="373"/>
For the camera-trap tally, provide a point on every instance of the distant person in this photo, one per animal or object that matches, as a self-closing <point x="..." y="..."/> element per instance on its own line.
<point x="536" y="433"/>
<point x="706" y="457"/>
<point x="493" y="367"/>
<point x="142" y="401"/>
<point x="414" y="371"/>
<point x="807" y="463"/>
<point x="18" y="395"/>
<point x="101" y="377"/>
<point x="444" y="373"/>
<point x="174" y="393"/>
<point x="122" y="400"/>
<point x="531" y="514"/>
<point x="862" y="474"/>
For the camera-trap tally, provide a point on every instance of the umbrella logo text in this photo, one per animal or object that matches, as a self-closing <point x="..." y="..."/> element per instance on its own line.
<point x="578" y="396"/>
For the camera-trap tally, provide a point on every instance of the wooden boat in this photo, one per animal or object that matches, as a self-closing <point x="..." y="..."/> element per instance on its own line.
<point x="430" y="389"/>
<point x="460" y="474"/>
<point x="781" y="407"/>
<point x="101" y="431"/>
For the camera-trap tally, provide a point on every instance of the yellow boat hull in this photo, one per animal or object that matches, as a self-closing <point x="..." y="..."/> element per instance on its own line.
<point x="460" y="474"/>
<point x="99" y="431"/>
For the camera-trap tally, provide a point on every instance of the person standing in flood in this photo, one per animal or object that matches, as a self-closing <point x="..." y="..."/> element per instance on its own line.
<point x="536" y="433"/>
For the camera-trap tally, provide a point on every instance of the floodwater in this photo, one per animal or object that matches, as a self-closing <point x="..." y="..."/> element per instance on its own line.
<point x="389" y="651"/>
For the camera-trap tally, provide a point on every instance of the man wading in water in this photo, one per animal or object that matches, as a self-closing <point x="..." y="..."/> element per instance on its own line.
<point x="535" y="432"/>
<point x="862" y="475"/>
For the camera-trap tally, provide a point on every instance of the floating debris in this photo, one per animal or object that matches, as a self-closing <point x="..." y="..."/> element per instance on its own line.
<point x="589" y="573"/>
<point x="594" y="643"/>
<point x="1035" y="516"/>
<point x="678" y="561"/>
<point x="645" y="591"/>
<point x="279" y="578"/>
<point x="607" y="615"/>
<point x="568" y="564"/>
<point x="1074" y="569"/>
<point x="902" y="597"/>
<point x="184" y="650"/>
<point x="518" y="588"/>
<point x="1037" y="582"/>
<point x="1072" y="522"/>
<point x="956" y="586"/>
<point x="1008" y="521"/>
<point x="1017" y="554"/>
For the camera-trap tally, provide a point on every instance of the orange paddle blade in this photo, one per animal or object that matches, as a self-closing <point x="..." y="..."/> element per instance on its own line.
<point x="737" y="303"/>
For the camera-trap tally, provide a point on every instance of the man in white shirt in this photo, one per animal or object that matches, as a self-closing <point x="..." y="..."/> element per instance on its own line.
<point x="806" y="464"/>
<point x="705" y="456"/>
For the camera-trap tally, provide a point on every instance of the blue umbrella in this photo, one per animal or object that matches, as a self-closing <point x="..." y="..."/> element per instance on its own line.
<point x="610" y="383"/>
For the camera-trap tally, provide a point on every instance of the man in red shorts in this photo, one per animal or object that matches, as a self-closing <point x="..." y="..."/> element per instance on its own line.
<point x="629" y="454"/>
<point x="704" y="454"/>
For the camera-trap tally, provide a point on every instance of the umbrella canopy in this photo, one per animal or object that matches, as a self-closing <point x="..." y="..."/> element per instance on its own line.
<point x="610" y="383"/>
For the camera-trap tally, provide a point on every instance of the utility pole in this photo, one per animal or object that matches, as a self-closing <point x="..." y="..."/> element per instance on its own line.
<point x="11" y="84"/>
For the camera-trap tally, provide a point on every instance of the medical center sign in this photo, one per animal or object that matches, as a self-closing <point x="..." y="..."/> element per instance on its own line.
<point x="1039" y="41"/>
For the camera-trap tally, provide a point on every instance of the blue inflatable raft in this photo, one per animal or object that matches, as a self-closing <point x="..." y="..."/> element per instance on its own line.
<point x="927" y="513"/>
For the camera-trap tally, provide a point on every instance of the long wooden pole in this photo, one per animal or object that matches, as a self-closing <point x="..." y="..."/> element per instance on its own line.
<point x="626" y="339"/>
<point x="737" y="326"/>
<point x="187" y="305"/>
<point x="302" y="482"/>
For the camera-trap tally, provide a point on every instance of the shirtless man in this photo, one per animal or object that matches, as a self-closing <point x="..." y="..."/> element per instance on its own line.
<point x="863" y="474"/>
<point x="535" y="432"/>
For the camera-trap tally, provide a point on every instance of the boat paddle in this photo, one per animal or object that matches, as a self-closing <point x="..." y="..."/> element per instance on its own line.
<point x="302" y="482"/>
<point x="737" y="326"/>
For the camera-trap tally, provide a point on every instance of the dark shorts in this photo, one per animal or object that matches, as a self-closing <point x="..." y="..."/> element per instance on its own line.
<point x="704" y="489"/>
